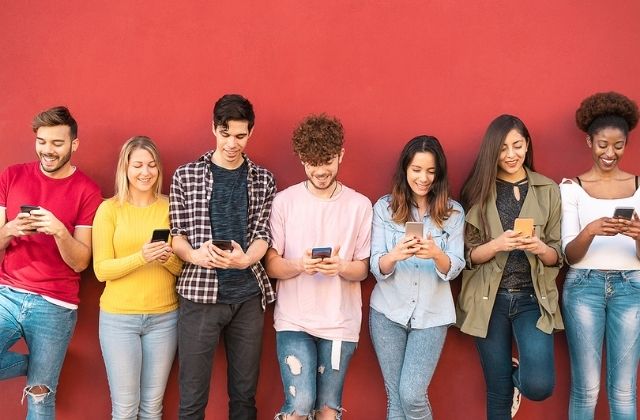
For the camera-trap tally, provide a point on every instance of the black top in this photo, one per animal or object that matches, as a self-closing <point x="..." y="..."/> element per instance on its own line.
<point x="517" y="270"/>
<point x="228" y="211"/>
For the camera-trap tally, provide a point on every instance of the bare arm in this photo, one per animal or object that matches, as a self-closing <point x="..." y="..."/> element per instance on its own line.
<point x="578" y="247"/>
<point x="281" y="268"/>
<point x="75" y="249"/>
<point x="506" y="242"/>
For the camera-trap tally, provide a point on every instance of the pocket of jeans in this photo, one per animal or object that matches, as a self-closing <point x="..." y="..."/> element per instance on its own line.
<point x="633" y="278"/>
<point x="574" y="278"/>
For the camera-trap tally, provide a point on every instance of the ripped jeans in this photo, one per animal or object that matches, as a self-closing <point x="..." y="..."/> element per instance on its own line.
<point x="47" y="329"/>
<point x="310" y="380"/>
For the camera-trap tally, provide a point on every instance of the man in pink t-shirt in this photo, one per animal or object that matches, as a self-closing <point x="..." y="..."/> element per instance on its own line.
<point x="318" y="307"/>
<point x="46" y="212"/>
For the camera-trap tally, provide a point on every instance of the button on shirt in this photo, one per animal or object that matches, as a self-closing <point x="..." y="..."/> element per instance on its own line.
<point x="415" y="293"/>
<point x="191" y="190"/>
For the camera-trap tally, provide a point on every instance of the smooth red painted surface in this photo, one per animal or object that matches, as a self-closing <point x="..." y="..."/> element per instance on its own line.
<point x="388" y="69"/>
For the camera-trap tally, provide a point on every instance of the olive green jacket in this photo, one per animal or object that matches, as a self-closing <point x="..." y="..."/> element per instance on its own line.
<point x="480" y="282"/>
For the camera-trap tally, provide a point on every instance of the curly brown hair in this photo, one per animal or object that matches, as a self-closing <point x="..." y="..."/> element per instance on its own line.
<point x="318" y="139"/>
<point x="607" y="109"/>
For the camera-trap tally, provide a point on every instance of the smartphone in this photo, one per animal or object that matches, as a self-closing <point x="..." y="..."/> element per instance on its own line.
<point x="414" y="229"/>
<point x="223" y="244"/>
<point x="523" y="226"/>
<point x="624" y="212"/>
<point x="321" y="252"/>
<point x="160" y="235"/>
<point x="27" y="208"/>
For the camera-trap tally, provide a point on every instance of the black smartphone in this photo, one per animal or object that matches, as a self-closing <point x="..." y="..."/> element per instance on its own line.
<point x="624" y="212"/>
<point x="223" y="244"/>
<point x="27" y="208"/>
<point x="321" y="252"/>
<point x="160" y="235"/>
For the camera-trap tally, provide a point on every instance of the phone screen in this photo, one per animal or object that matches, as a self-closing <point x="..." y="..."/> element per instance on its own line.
<point x="223" y="244"/>
<point x="321" y="252"/>
<point x="27" y="208"/>
<point x="624" y="212"/>
<point x="160" y="235"/>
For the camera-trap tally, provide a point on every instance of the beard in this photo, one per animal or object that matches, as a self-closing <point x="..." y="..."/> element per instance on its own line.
<point x="62" y="161"/>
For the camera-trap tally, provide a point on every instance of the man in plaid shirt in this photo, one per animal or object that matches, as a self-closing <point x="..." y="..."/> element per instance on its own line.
<point x="219" y="209"/>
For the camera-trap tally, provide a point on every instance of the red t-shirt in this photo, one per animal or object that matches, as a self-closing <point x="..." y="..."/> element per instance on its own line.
<point x="33" y="262"/>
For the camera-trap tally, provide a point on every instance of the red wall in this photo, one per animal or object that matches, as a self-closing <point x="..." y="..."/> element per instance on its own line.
<point x="389" y="69"/>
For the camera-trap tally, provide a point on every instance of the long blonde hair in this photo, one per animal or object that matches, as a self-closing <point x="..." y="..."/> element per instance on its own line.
<point x="122" y="182"/>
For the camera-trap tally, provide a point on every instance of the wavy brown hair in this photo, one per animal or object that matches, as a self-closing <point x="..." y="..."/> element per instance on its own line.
<point x="482" y="179"/>
<point x="438" y="195"/>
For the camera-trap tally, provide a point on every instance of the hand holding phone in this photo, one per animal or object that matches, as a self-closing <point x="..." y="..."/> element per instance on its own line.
<point x="28" y="208"/>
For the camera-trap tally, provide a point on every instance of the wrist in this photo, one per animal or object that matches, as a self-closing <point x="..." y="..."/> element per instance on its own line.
<point x="246" y="262"/>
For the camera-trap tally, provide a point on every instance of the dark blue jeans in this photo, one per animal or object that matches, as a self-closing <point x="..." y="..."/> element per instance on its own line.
<point x="514" y="316"/>
<point x="199" y="328"/>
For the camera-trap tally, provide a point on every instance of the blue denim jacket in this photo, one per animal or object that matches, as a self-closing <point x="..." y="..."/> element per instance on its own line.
<point x="415" y="293"/>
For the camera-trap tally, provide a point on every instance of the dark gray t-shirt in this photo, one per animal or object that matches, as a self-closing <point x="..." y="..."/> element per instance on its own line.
<point x="228" y="214"/>
<point x="517" y="270"/>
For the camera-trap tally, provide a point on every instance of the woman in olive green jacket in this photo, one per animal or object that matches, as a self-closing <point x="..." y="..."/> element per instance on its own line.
<point x="508" y="289"/>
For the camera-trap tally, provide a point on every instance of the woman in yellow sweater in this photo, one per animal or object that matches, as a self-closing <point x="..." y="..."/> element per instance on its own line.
<point x="138" y="308"/>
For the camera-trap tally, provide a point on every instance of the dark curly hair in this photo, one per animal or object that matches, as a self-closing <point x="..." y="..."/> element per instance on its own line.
<point x="318" y="139"/>
<point x="607" y="109"/>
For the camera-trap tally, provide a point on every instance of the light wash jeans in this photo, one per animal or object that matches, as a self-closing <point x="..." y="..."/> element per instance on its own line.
<point x="47" y="329"/>
<point x="308" y="378"/>
<point x="138" y="352"/>
<point x="407" y="358"/>
<point x="602" y="305"/>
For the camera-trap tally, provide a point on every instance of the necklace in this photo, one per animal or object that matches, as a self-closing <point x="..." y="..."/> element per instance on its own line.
<point x="332" y="193"/>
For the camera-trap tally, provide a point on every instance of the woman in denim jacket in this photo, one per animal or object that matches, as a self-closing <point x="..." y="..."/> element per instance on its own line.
<point x="411" y="304"/>
<point x="508" y="289"/>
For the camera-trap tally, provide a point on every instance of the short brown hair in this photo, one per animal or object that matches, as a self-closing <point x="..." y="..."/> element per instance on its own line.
<point x="52" y="117"/>
<point x="318" y="139"/>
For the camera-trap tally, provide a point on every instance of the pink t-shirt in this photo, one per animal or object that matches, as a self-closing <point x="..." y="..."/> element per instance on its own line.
<point x="33" y="263"/>
<point x="325" y="307"/>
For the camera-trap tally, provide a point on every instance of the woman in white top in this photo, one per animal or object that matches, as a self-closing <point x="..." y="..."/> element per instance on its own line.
<point x="601" y="298"/>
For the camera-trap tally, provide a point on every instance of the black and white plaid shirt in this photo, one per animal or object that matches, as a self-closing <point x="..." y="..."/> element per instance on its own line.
<point x="190" y="193"/>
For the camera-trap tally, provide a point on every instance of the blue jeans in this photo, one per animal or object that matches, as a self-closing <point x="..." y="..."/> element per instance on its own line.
<point x="200" y="326"/>
<point x="407" y="358"/>
<point x="138" y="352"/>
<point x="309" y="379"/>
<point x="514" y="316"/>
<point x="47" y="330"/>
<point x="602" y="305"/>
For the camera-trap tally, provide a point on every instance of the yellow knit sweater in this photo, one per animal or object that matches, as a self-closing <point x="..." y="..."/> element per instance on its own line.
<point x="133" y="286"/>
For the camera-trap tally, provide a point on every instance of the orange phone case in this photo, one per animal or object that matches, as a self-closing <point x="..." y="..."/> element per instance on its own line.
<point x="524" y="226"/>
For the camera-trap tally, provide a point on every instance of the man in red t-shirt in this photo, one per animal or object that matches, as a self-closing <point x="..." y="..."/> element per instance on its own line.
<point x="46" y="212"/>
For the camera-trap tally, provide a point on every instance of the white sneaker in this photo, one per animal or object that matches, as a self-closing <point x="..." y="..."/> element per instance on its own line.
<point x="517" y="395"/>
